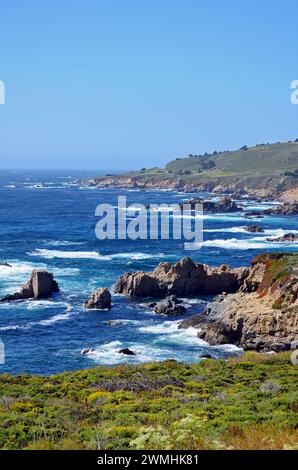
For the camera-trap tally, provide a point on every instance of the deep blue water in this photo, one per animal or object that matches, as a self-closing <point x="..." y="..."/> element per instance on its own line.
<point x="47" y="221"/>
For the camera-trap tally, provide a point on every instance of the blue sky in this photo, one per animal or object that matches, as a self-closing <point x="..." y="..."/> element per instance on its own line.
<point x="127" y="84"/>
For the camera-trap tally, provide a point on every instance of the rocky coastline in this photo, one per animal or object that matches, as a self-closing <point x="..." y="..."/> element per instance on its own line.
<point x="283" y="189"/>
<point x="257" y="308"/>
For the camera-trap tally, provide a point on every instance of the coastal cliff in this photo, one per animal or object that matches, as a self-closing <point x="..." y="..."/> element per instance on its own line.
<point x="258" y="309"/>
<point x="262" y="315"/>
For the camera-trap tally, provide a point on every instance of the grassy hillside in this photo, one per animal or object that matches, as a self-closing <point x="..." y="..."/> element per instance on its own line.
<point x="245" y="403"/>
<point x="262" y="160"/>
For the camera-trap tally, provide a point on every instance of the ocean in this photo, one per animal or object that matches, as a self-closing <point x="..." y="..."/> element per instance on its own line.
<point x="48" y="221"/>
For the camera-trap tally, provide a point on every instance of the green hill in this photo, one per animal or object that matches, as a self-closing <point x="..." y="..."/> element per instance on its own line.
<point x="262" y="160"/>
<point x="264" y="170"/>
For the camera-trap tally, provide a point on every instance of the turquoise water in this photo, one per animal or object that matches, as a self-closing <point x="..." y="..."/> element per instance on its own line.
<point x="48" y="221"/>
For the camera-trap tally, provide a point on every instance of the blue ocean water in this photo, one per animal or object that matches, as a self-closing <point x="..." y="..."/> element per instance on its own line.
<point x="48" y="221"/>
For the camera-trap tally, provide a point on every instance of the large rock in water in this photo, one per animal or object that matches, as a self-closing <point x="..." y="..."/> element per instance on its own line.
<point x="183" y="278"/>
<point x="40" y="286"/>
<point x="254" y="229"/>
<point x="100" y="299"/>
<point x="263" y="315"/>
<point x="169" y="306"/>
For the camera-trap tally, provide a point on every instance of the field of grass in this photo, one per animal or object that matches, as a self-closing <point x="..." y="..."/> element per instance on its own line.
<point x="245" y="403"/>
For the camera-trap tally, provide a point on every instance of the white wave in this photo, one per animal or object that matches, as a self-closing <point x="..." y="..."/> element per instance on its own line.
<point x="124" y="321"/>
<point x="136" y="256"/>
<point x="255" y="243"/>
<point x="108" y="354"/>
<point x="274" y="232"/>
<point x="15" y="327"/>
<point x="44" y="304"/>
<point x="225" y="230"/>
<point x="15" y="269"/>
<point x="169" y="332"/>
<point x="50" y="254"/>
<point x="66" y="271"/>
<point x="54" y="319"/>
<point x="62" y="243"/>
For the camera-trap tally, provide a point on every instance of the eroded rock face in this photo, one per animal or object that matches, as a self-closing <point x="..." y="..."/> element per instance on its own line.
<point x="40" y="286"/>
<point x="100" y="299"/>
<point x="183" y="278"/>
<point x="263" y="315"/>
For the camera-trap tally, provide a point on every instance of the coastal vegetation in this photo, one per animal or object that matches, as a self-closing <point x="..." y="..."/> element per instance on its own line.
<point x="249" y="402"/>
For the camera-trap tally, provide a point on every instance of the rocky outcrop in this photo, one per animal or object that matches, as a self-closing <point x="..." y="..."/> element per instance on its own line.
<point x="290" y="196"/>
<point x="254" y="229"/>
<point x="288" y="237"/>
<point x="262" y="315"/>
<point x="40" y="286"/>
<point x="127" y="352"/>
<point x="100" y="299"/>
<point x="183" y="278"/>
<point x="169" y="306"/>
<point x="288" y="208"/>
<point x="87" y="351"/>
<point x="225" y="204"/>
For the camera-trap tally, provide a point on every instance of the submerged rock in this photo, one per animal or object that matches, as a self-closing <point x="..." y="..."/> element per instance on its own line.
<point x="127" y="352"/>
<point x="100" y="299"/>
<point x="184" y="278"/>
<point x="40" y="286"/>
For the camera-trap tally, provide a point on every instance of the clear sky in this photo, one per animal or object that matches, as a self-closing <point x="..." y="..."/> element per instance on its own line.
<point x="125" y="84"/>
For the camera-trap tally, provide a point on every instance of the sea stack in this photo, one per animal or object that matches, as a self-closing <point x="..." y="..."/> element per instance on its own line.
<point x="100" y="299"/>
<point x="40" y="286"/>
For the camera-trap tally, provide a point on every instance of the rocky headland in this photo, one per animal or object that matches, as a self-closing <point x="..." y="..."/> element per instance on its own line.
<point x="257" y="308"/>
<point x="262" y="315"/>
